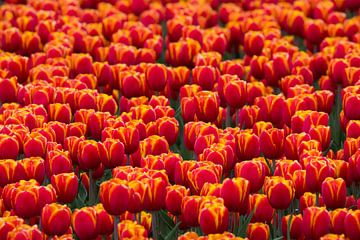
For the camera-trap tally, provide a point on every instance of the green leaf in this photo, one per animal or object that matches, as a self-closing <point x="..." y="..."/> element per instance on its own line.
<point x="173" y="233"/>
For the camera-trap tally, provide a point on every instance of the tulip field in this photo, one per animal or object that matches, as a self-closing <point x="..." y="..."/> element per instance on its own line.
<point x="175" y="119"/>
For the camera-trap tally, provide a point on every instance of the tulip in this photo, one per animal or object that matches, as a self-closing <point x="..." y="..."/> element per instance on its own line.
<point x="105" y="222"/>
<point x="190" y="210"/>
<point x="8" y="90"/>
<point x="213" y="218"/>
<point x="333" y="192"/>
<point x="279" y="191"/>
<point x="220" y="154"/>
<point x="198" y="176"/>
<point x="34" y="145"/>
<point x="88" y="155"/>
<point x="83" y="222"/>
<point x="316" y="173"/>
<point x="322" y="134"/>
<point x="112" y="153"/>
<point x="247" y="146"/>
<point x="298" y="179"/>
<point x="235" y="93"/>
<point x="106" y="103"/>
<point x="174" y="197"/>
<point x="296" y="222"/>
<point x="349" y="103"/>
<point x="316" y="222"/>
<point x="9" y="147"/>
<point x="130" y="229"/>
<point x="207" y="106"/>
<point x="55" y="219"/>
<point x="271" y="143"/>
<point x="110" y="193"/>
<point x="7" y="224"/>
<point x="253" y="171"/>
<point x="351" y="226"/>
<point x="25" y="232"/>
<point x="253" y="43"/>
<point x="205" y="76"/>
<point x="257" y="231"/>
<point x="156" y="77"/>
<point x="156" y="194"/>
<point x="58" y="162"/>
<point x="263" y="211"/>
<point x="34" y="168"/>
<point x="337" y="218"/>
<point x="235" y="193"/>
<point x="129" y="137"/>
<point x="168" y="128"/>
<point x="66" y="186"/>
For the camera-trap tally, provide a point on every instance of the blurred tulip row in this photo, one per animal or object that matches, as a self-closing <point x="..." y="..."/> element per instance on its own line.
<point x="166" y="119"/>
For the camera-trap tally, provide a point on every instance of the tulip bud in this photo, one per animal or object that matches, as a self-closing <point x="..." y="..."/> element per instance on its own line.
<point x="235" y="193"/>
<point x="9" y="147"/>
<point x="66" y="186"/>
<point x="156" y="77"/>
<point x="279" y="191"/>
<point x="55" y="219"/>
<point x="331" y="186"/>
<point x="7" y="224"/>
<point x="235" y="93"/>
<point x="253" y="43"/>
<point x="168" y="128"/>
<point x="253" y="171"/>
<point x="352" y="228"/>
<point x="174" y="197"/>
<point x="296" y="222"/>
<point x="258" y="231"/>
<point x="25" y="232"/>
<point x="316" y="222"/>
<point x="248" y="146"/>
<point x="88" y="155"/>
<point x="83" y="222"/>
<point x="316" y="173"/>
<point x="190" y="210"/>
<point x="111" y="153"/>
<point x="213" y="218"/>
<point x="219" y="153"/>
<point x="105" y="222"/>
<point x="271" y="143"/>
<point x="205" y="76"/>
<point x="337" y="220"/>
<point x="110" y="193"/>
<point x="34" y="168"/>
<point x="8" y="89"/>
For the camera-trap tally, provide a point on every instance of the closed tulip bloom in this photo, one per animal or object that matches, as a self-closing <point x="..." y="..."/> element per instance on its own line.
<point x="168" y="128"/>
<point x="316" y="173"/>
<point x="205" y="76"/>
<point x="60" y="112"/>
<point x="279" y="191"/>
<point x="156" y="77"/>
<point x="351" y="223"/>
<point x="257" y="231"/>
<point x="308" y="199"/>
<point x="253" y="171"/>
<point x="199" y="176"/>
<point x="272" y="142"/>
<point x="34" y="168"/>
<point x="11" y="171"/>
<point x="9" y="147"/>
<point x="235" y="93"/>
<point x="55" y="219"/>
<point x="129" y="136"/>
<point x="156" y="194"/>
<point x="353" y="129"/>
<point x="350" y="101"/>
<point x="333" y="192"/>
<point x="207" y="106"/>
<point x="263" y="211"/>
<point x="129" y="229"/>
<point x="296" y="223"/>
<point x="190" y="210"/>
<point x="331" y="236"/>
<point x="35" y="145"/>
<point x="110" y="192"/>
<point x="235" y="193"/>
<point x="214" y="218"/>
<point x="292" y="143"/>
<point x="316" y="222"/>
<point x="88" y="155"/>
<point x="220" y="154"/>
<point x="247" y="146"/>
<point x="174" y="198"/>
<point x="253" y="43"/>
<point x="112" y="153"/>
<point x="66" y="186"/>
<point x="104" y="221"/>
<point x="83" y="222"/>
<point x="337" y="220"/>
<point x="57" y="162"/>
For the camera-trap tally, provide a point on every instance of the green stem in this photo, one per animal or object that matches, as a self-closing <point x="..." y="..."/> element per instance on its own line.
<point x="92" y="190"/>
<point x="238" y="118"/>
<point x="228" y="116"/>
<point x="154" y="225"/>
<point x="317" y="199"/>
<point x="116" y="222"/>
<point x="128" y="160"/>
